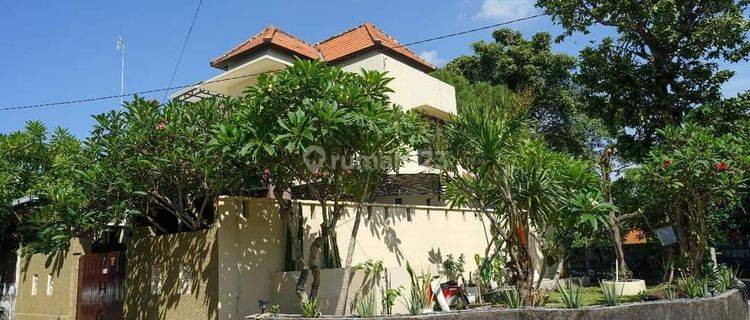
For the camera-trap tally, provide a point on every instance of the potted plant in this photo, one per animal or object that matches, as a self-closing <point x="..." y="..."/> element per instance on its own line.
<point x="472" y="290"/>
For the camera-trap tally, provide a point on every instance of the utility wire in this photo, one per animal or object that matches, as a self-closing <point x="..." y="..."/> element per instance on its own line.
<point x="51" y="104"/>
<point x="167" y="89"/>
<point x="182" y="51"/>
<point x="450" y="35"/>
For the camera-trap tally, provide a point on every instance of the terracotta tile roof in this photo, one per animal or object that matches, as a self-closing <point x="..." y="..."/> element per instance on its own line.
<point x="269" y="35"/>
<point x="362" y="38"/>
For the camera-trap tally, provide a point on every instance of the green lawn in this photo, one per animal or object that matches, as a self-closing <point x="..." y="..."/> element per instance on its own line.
<point x="591" y="296"/>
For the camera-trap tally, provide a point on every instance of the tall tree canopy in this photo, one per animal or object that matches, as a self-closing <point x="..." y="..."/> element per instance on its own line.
<point x="664" y="61"/>
<point x="530" y="67"/>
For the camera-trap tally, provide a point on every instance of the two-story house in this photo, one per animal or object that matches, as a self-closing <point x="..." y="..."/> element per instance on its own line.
<point x="364" y="47"/>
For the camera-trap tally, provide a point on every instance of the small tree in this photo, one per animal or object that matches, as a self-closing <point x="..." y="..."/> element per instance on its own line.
<point x="525" y="190"/>
<point x="479" y="147"/>
<point x="688" y="179"/>
<point x="318" y="126"/>
<point x="151" y="162"/>
<point x="35" y="162"/>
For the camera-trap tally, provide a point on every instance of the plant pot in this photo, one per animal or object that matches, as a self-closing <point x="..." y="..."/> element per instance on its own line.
<point x="627" y="288"/>
<point x="471" y="293"/>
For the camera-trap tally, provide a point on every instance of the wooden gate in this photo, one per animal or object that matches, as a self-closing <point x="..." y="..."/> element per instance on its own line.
<point x="101" y="286"/>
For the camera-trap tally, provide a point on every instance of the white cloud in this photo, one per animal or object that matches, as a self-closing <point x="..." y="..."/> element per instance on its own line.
<point x="505" y="9"/>
<point x="432" y="57"/>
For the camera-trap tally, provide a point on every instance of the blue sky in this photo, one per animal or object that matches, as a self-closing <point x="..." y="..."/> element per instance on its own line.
<point x="63" y="50"/>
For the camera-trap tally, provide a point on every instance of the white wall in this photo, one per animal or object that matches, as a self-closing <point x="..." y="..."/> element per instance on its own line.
<point x="413" y="88"/>
<point x="252" y="243"/>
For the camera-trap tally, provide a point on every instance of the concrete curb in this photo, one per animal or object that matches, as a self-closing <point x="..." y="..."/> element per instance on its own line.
<point x="728" y="306"/>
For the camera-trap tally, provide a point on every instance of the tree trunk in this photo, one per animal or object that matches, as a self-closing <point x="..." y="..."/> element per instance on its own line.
<point x="542" y="272"/>
<point x="668" y="265"/>
<point x="560" y="269"/>
<point x="344" y="291"/>
<point x="294" y="221"/>
<point x="614" y="221"/>
<point x="314" y="266"/>
<point x="689" y="235"/>
<point x="617" y="242"/>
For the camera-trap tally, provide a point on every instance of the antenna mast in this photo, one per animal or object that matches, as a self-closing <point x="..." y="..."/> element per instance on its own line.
<point x="121" y="48"/>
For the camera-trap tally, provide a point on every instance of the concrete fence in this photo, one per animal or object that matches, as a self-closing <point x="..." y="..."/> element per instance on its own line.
<point x="728" y="306"/>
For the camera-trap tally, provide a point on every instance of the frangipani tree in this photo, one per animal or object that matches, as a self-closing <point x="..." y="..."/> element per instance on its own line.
<point x="151" y="162"/>
<point x="319" y="127"/>
<point x="34" y="162"/>
<point x="687" y="181"/>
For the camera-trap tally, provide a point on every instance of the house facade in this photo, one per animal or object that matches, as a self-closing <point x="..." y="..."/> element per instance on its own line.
<point x="363" y="47"/>
<point x="223" y="271"/>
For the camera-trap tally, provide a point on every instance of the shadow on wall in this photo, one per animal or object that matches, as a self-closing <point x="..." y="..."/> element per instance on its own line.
<point x="251" y="247"/>
<point x="172" y="276"/>
<point x="54" y="261"/>
<point x="283" y="289"/>
<point x="380" y="222"/>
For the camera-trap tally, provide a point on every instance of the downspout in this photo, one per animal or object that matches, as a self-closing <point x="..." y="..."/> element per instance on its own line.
<point x="237" y="256"/>
<point x="14" y="289"/>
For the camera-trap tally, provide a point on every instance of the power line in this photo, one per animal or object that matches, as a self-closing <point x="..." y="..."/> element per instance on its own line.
<point x="170" y="87"/>
<point x="182" y="51"/>
<point x="51" y="104"/>
<point x="450" y="35"/>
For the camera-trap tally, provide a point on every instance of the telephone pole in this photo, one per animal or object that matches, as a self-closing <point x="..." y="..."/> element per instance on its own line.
<point x="121" y="48"/>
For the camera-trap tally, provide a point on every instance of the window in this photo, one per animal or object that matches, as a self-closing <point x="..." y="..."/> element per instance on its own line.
<point x="186" y="279"/>
<point x="399" y="201"/>
<point x="156" y="281"/>
<point x="34" y="284"/>
<point x="424" y="157"/>
<point x="427" y="202"/>
<point x="50" y="284"/>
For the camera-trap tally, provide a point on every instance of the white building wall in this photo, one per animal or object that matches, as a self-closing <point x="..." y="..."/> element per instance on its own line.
<point x="413" y="88"/>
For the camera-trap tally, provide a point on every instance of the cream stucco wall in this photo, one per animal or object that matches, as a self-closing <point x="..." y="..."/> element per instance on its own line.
<point x="187" y="266"/>
<point x="252" y="245"/>
<point x="63" y="267"/>
<point x="251" y="248"/>
<point x="413" y="88"/>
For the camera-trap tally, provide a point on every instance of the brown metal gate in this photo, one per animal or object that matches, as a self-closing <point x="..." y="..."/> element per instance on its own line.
<point x="101" y="286"/>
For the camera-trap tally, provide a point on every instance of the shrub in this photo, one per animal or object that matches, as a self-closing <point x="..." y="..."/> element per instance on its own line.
<point x="513" y="298"/>
<point x="417" y="299"/>
<point x="389" y="299"/>
<point x="365" y="304"/>
<point x="611" y="296"/>
<point x="571" y="297"/>
<point x="454" y="268"/>
<point x="694" y="287"/>
<point x="725" y="278"/>
<point x="310" y="308"/>
<point x="274" y="310"/>
<point x="670" y="292"/>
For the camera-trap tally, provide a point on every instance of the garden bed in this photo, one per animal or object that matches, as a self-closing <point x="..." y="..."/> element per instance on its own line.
<point x="730" y="305"/>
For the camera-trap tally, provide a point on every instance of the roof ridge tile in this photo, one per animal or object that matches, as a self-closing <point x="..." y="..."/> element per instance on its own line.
<point x="401" y="46"/>
<point x="341" y="34"/>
